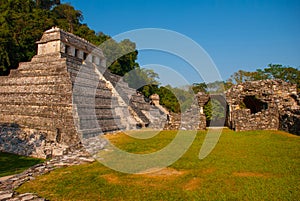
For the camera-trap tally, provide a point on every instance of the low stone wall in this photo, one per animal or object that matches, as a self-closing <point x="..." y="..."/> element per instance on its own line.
<point x="265" y="120"/>
<point x="290" y="121"/>
<point x="191" y="119"/>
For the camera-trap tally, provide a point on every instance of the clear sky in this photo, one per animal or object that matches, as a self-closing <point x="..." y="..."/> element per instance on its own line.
<point x="237" y="34"/>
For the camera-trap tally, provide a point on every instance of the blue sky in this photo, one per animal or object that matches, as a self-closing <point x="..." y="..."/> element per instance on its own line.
<point x="237" y="34"/>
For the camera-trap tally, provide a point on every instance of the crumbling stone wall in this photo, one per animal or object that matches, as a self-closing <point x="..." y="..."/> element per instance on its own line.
<point x="264" y="105"/>
<point x="191" y="119"/>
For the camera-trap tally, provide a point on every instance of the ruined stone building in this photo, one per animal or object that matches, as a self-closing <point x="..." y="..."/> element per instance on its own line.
<point x="264" y="105"/>
<point x="255" y="105"/>
<point x="65" y="93"/>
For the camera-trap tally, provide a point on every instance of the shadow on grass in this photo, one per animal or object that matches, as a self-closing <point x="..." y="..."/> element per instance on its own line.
<point x="13" y="164"/>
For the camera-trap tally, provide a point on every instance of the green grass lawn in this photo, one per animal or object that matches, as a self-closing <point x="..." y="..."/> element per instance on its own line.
<point x="13" y="164"/>
<point x="254" y="165"/>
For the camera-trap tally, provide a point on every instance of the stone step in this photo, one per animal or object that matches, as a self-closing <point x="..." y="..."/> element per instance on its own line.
<point x="89" y="84"/>
<point x="86" y="91"/>
<point x="112" y="77"/>
<point x="36" y="98"/>
<point x="138" y="99"/>
<point x="140" y="114"/>
<point x="82" y="68"/>
<point x="46" y="110"/>
<point x="84" y="77"/>
<point x="92" y="124"/>
<point x="43" y="66"/>
<point x="141" y="106"/>
<point x="123" y="86"/>
<point x="48" y="57"/>
<point x="87" y="106"/>
<point x="98" y="100"/>
<point x="112" y="128"/>
<point x="88" y="133"/>
<point x="33" y="80"/>
<point x="34" y="122"/>
<point x="88" y="117"/>
<point x="50" y="89"/>
<point x="92" y="111"/>
<point x="17" y="73"/>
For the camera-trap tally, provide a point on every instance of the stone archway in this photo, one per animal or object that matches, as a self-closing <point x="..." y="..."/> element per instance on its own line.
<point x="220" y="111"/>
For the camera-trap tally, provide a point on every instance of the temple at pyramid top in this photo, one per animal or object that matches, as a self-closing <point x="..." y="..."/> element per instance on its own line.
<point x="56" y="40"/>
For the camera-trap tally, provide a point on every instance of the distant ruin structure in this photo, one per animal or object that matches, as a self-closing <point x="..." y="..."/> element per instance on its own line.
<point x="264" y="105"/>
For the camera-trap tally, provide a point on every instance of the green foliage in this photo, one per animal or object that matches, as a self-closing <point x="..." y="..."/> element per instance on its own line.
<point x="216" y="87"/>
<point x="273" y="71"/>
<point x="121" y="57"/>
<point x="199" y="87"/>
<point x="172" y="98"/>
<point x="168" y="99"/>
<point x="22" y="24"/>
<point x="67" y="17"/>
<point x="46" y="4"/>
<point x="251" y="165"/>
<point x="13" y="164"/>
<point x="214" y="110"/>
<point x="138" y="78"/>
<point x="286" y="73"/>
<point x="24" y="21"/>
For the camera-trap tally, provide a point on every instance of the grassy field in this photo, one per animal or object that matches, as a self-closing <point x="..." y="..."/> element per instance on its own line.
<point x="256" y="165"/>
<point x="12" y="164"/>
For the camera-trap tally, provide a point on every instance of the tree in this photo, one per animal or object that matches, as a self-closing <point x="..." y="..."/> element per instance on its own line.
<point x="199" y="87"/>
<point x="273" y="71"/>
<point x="215" y="87"/>
<point x="21" y="26"/>
<point x="67" y="17"/>
<point x="121" y="57"/>
<point x="46" y="4"/>
<point x="286" y="73"/>
<point x="242" y="76"/>
<point x="138" y="78"/>
<point x="214" y="110"/>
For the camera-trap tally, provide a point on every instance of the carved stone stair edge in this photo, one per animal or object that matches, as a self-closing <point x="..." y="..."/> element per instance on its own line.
<point x="120" y="99"/>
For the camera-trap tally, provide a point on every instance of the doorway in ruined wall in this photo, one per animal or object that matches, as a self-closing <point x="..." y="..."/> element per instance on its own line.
<point x="254" y="104"/>
<point x="216" y="111"/>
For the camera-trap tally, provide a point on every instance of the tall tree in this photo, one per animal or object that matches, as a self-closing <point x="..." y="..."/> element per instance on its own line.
<point x="22" y="24"/>
<point x="199" y="87"/>
<point x="67" y="17"/>
<point x="140" y="77"/>
<point x="46" y="4"/>
<point x="272" y="71"/>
